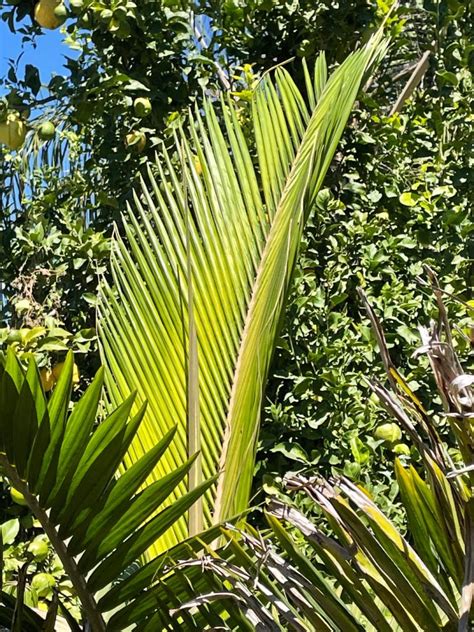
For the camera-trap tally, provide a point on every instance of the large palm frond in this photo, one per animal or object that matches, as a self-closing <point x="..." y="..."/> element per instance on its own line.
<point x="206" y="262"/>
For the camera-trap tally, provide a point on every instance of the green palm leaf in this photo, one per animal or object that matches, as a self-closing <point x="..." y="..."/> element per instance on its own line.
<point x="65" y="467"/>
<point x="225" y="232"/>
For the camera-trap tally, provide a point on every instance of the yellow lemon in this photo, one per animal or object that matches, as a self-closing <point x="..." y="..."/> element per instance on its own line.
<point x="18" y="497"/>
<point x="45" y="15"/>
<point x="12" y="131"/>
<point x="135" y="141"/>
<point x="58" y="368"/>
<point x="47" y="379"/>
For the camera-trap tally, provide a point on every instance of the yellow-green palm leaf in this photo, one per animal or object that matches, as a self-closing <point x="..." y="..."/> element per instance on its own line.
<point x="201" y="275"/>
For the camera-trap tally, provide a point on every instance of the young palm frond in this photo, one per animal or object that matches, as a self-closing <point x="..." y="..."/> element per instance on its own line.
<point x="215" y="223"/>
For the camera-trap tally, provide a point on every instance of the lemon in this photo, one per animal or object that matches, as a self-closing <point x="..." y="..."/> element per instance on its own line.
<point x="58" y="368"/>
<point x="136" y="141"/>
<point x="43" y="583"/>
<point x="47" y="130"/>
<point x="388" y="432"/>
<point x="39" y="548"/>
<point x="18" y="497"/>
<point x="401" y="448"/>
<point x="13" y="131"/>
<point x="47" y="379"/>
<point x="76" y="6"/>
<point x="45" y="14"/>
<point x="61" y="13"/>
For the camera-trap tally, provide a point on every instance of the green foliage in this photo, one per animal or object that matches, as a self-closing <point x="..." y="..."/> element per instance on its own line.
<point x="53" y="254"/>
<point x="351" y="568"/>
<point x="399" y="196"/>
<point x="60" y="196"/>
<point x="25" y="543"/>
<point x="167" y="53"/>
<point x="265" y="32"/>
<point x="126" y="52"/>
<point x="64" y="467"/>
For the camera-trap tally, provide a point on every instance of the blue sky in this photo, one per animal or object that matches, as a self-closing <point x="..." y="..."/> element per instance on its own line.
<point x="47" y="55"/>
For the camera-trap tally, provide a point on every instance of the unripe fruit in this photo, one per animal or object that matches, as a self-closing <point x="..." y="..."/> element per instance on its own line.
<point x="76" y="6"/>
<point x="39" y="548"/>
<point x="61" y="13"/>
<point x="142" y="107"/>
<point x="135" y="141"/>
<point x="352" y="470"/>
<point x="47" y="379"/>
<point x="401" y="448"/>
<point x="13" y="131"/>
<point x="306" y="48"/>
<point x="18" y="497"/>
<point x="388" y="432"/>
<point x="42" y="583"/>
<point x="47" y="131"/>
<point x="58" y="368"/>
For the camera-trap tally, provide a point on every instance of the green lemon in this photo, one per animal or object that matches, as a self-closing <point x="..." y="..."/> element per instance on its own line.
<point x="47" y="130"/>
<point x="136" y="141"/>
<point x="61" y="13"/>
<point x="76" y="6"/>
<point x="42" y="583"/>
<point x="39" y="548"/>
<point x="388" y="432"/>
<point x="142" y="107"/>
<point x="401" y="448"/>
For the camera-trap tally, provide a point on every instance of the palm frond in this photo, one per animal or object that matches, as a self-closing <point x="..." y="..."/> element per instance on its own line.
<point x="222" y="215"/>
<point x="65" y="467"/>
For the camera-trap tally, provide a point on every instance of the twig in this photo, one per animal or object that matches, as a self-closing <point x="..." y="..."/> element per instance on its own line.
<point x="410" y="86"/>
<point x="220" y="71"/>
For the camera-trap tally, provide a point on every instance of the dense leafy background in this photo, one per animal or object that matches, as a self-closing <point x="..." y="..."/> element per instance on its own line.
<point x="397" y="196"/>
